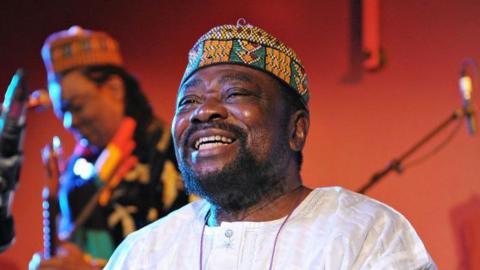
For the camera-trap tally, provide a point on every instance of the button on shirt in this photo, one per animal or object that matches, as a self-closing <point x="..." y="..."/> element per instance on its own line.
<point x="331" y="229"/>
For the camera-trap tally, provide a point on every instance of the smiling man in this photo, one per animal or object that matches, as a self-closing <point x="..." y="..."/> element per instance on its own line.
<point x="241" y="123"/>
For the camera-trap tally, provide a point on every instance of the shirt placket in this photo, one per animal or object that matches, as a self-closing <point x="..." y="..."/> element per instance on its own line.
<point x="226" y="247"/>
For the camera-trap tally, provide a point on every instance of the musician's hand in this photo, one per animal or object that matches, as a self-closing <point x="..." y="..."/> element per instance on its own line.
<point x="69" y="257"/>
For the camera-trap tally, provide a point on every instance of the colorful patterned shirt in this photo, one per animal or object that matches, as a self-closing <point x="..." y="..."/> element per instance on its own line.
<point x="150" y="190"/>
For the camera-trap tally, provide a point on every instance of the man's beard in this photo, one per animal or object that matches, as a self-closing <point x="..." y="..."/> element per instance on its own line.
<point x="243" y="182"/>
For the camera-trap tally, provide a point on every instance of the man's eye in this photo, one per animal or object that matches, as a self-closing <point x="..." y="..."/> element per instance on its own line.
<point x="235" y="93"/>
<point x="187" y="101"/>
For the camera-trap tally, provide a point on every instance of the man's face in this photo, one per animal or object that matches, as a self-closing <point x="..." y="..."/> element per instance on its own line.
<point x="88" y="110"/>
<point x="230" y="134"/>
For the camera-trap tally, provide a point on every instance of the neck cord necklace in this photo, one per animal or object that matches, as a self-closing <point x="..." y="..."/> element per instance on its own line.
<point x="274" y="242"/>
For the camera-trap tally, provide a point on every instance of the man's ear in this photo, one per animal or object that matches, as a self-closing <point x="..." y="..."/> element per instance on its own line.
<point x="299" y="124"/>
<point x="115" y="87"/>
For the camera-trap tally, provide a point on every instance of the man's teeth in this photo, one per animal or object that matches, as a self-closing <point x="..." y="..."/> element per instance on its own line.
<point x="211" y="141"/>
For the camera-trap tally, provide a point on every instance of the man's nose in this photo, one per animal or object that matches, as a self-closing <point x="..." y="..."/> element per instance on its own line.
<point x="211" y="109"/>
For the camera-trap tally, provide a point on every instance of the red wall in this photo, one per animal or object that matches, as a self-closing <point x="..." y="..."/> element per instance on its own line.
<point x="357" y="126"/>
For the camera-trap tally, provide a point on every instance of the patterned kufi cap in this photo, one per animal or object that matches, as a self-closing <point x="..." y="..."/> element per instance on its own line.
<point x="79" y="47"/>
<point x="248" y="45"/>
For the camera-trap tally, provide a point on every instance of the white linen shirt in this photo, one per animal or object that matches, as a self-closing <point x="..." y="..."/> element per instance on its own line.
<point x="331" y="229"/>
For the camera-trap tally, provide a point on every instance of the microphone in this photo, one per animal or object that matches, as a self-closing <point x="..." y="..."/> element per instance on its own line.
<point x="466" y="89"/>
<point x="12" y="123"/>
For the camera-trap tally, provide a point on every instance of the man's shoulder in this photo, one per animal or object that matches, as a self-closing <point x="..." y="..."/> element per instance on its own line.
<point x="347" y="202"/>
<point x="177" y="219"/>
<point x="376" y="229"/>
<point x="352" y="213"/>
<point x="158" y="235"/>
<point x="162" y="230"/>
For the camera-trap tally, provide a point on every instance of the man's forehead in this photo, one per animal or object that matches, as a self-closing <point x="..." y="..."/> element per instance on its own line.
<point x="224" y="74"/>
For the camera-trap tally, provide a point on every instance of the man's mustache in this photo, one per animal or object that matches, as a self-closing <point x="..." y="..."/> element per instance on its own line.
<point x="238" y="132"/>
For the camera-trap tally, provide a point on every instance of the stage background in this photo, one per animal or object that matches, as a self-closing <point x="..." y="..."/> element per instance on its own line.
<point x="359" y="120"/>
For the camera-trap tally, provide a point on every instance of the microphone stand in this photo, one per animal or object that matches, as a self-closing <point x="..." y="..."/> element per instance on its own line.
<point x="396" y="163"/>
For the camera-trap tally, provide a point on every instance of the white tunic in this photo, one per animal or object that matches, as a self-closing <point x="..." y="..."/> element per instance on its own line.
<point x="331" y="229"/>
